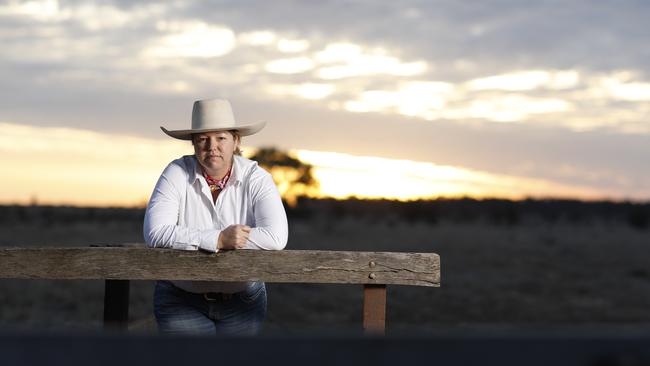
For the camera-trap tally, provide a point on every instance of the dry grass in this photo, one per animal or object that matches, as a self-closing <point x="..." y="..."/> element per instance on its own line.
<point x="533" y="273"/>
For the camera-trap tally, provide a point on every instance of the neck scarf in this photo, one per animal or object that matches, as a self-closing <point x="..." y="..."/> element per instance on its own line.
<point x="216" y="185"/>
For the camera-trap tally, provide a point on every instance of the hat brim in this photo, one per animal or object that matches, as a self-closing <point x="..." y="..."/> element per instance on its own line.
<point x="244" y="130"/>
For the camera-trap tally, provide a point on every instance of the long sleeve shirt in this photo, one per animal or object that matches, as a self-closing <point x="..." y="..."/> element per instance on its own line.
<point x="181" y="213"/>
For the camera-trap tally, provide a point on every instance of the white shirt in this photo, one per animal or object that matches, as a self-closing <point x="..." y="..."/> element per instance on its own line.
<point x="182" y="215"/>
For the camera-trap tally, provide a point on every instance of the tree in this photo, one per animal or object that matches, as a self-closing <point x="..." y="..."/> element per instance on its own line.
<point x="293" y="177"/>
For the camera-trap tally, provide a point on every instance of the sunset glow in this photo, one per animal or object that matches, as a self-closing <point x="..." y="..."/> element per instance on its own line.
<point x="77" y="167"/>
<point x="343" y="176"/>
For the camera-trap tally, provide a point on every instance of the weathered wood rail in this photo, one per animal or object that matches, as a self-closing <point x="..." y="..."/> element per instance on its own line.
<point x="117" y="265"/>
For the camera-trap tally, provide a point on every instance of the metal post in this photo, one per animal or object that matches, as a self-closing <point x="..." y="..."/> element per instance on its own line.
<point x="374" y="309"/>
<point x="116" y="305"/>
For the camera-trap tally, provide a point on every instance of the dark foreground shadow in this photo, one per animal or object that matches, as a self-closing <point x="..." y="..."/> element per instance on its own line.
<point x="455" y="348"/>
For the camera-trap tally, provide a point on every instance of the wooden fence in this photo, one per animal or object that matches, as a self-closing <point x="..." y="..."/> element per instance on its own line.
<point x="119" y="264"/>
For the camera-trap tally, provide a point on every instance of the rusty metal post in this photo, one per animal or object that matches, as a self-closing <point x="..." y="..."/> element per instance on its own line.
<point x="374" y="309"/>
<point x="116" y="305"/>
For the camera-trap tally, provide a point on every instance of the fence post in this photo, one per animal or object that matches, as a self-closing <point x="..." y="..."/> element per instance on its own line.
<point x="374" y="309"/>
<point x="116" y="305"/>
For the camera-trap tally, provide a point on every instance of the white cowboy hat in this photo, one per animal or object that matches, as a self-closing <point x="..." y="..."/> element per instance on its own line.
<point x="212" y="115"/>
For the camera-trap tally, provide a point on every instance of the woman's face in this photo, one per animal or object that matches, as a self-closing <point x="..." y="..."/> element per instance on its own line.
<point x="214" y="151"/>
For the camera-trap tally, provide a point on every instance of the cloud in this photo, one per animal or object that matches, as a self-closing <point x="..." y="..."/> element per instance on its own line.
<point x="293" y="45"/>
<point x="192" y="39"/>
<point x="184" y="52"/>
<point x="352" y="60"/>
<point x="527" y="80"/>
<point x="621" y="85"/>
<point x="258" y="38"/>
<point x="312" y="91"/>
<point x="416" y="98"/>
<point x="294" y="65"/>
<point x="510" y="108"/>
<point x="94" y="17"/>
<point x="40" y="10"/>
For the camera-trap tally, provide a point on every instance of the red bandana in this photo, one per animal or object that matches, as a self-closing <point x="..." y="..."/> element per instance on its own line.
<point x="216" y="184"/>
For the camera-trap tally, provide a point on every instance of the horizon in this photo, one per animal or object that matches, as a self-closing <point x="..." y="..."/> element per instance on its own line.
<point x="134" y="164"/>
<point x="142" y="206"/>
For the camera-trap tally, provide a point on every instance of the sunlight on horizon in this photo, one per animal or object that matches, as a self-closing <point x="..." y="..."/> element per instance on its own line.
<point x="79" y="167"/>
<point x="343" y="176"/>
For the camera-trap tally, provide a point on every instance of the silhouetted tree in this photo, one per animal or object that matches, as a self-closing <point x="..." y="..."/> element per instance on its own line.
<point x="293" y="177"/>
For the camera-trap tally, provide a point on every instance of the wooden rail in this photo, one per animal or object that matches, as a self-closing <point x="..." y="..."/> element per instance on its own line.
<point x="119" y="264"/>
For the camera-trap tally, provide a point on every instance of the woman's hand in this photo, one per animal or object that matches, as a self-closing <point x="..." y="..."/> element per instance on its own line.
<point x="233" y="237"/>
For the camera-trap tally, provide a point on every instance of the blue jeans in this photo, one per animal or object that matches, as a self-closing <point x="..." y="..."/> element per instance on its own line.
<point x="180" y="312"/>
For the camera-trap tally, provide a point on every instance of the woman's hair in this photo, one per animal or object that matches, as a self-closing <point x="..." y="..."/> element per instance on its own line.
<point x="236" y="136"/>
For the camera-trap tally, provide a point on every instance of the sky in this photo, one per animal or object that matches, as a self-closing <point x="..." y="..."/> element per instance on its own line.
<point x="481" y="98"/>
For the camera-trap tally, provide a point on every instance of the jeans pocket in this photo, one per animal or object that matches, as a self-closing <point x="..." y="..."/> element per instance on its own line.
<point x="251" y="294"/>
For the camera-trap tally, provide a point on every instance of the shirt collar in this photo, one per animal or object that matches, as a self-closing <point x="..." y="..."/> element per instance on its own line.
<point x="235" y="175"/>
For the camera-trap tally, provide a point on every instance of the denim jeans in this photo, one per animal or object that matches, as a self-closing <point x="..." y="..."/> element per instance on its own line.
<point x="180" y="312"/>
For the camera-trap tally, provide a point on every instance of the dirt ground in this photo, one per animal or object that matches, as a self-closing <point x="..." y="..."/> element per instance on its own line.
<point x="529" y="274"/>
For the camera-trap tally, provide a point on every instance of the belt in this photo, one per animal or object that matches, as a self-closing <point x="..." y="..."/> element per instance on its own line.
<point x="209" y="296"/>
<point x="217" y="296"/>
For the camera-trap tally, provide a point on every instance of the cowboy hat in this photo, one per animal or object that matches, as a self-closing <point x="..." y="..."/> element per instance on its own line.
<point x="213" y="115"/>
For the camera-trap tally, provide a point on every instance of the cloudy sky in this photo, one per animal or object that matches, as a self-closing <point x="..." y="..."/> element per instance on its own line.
<point x="542" y="98"/>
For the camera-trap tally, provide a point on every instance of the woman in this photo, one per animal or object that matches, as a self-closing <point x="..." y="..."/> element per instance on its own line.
<point x="213" y="200"/>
